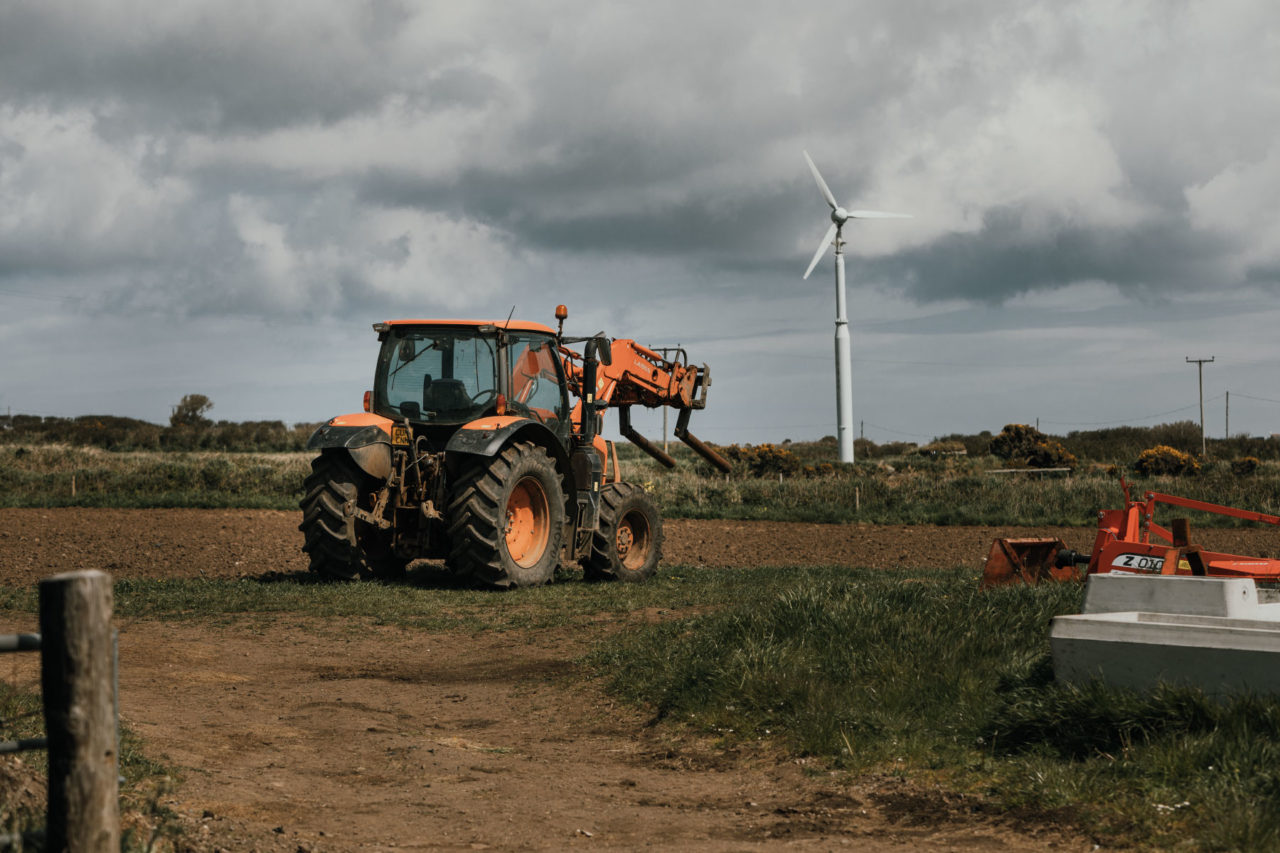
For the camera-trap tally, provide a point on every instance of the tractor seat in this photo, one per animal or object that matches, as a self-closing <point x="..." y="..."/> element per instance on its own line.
<point x="445" y="395"/>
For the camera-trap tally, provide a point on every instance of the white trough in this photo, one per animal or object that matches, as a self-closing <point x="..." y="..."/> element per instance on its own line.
<point x="1138" y="631"/>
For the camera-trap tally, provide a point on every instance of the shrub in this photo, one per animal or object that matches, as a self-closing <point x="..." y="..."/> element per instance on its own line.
<point x="1050" y="454"/>
<point x="763" y="459"/>
<point x="943" y="448"/>
<point x="1244" y="466"/>
<point x="1163" y="460"/>
<point x="1026" y="445"/>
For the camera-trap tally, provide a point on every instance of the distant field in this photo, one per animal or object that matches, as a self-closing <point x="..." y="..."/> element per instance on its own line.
<point x="908" y="489"/>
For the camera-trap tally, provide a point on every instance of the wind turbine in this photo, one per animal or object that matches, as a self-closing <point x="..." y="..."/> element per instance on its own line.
<point x="844" y="382"/>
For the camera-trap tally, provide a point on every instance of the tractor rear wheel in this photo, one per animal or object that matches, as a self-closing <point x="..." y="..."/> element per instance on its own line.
<point x="627" y="545"/>
<point x="340" y="546"/>
<point x="506" y="518"/>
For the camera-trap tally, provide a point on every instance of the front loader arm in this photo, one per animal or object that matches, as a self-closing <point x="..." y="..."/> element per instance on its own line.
<point x="637" y="375"/>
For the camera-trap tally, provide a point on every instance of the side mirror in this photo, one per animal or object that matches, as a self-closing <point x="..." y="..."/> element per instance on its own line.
<point x="407" y="352"/>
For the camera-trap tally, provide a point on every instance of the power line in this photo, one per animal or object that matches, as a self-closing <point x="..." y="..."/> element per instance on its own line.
<point x="897" y="431"/>
<point x="1259" y="399"/>
<point x="1129" y="420"/>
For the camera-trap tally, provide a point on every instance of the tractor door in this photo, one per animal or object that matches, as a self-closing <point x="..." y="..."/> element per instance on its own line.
<point x="536" y="387"/>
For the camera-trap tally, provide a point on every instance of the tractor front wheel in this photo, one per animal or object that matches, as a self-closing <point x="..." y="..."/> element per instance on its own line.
<point x="506" y="518"/>
<point x="627" y="545"/>
<point x="340" y="546"/>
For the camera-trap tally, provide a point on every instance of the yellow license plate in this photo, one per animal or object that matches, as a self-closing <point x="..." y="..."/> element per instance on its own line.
<point x="399" y="434"/>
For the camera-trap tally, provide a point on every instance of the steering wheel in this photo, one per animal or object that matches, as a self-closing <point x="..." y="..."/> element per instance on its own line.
<point x="483" y="397"/>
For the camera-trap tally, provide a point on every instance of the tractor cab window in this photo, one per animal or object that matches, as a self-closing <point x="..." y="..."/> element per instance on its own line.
<point x="444" y="376"/>
<point x="536" y="389"/>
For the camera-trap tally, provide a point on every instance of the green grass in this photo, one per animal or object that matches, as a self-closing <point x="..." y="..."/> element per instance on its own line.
<point x="79" y="476"/>
<point x="910" y="490"/>
<point x="928" y="677"/>
<point x="428" y="601"/>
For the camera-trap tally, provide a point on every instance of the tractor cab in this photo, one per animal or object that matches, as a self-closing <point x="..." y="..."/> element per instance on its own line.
<point x="449" y="373"/>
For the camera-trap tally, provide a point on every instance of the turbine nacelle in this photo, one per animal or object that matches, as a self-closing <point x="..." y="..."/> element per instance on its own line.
<point x="839" y="216"/>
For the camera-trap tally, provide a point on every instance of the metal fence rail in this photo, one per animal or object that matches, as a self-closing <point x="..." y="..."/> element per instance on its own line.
<point x="21" y="643"/>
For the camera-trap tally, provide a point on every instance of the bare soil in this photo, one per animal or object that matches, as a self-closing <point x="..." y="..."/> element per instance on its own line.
<point x="294" y="735"/>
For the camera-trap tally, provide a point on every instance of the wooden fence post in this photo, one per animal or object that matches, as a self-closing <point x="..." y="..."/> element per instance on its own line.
<point x="76" y="675"/>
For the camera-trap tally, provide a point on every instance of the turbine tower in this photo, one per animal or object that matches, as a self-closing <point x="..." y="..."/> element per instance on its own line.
<point x="844" y="381"/>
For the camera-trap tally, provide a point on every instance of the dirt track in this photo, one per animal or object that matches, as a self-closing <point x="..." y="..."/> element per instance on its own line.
<point x="293" y="735"/>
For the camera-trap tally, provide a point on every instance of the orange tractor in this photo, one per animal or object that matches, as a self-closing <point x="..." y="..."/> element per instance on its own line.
<point x="480" y="444"/>
<point x="1130" y="540"/>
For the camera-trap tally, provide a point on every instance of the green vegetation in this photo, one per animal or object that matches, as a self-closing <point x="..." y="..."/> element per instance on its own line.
<point x="928" y="677"/>
<point x="918" y="675"/>
<point x="60" y="475"/>
<point x="915" y="488"/>
<point x="22" y="716"/>
<point x="430" y="600"/>
<point x="188" y="430"/>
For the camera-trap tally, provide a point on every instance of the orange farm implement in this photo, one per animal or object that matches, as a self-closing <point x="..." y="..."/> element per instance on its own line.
<point x="1129" y="540"/>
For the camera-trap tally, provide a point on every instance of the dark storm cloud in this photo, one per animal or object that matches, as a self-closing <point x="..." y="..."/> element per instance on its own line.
<point x="1008" y="257"/>
<point x="232" y="68"/>
<point x="596" y="207"/>
<point x="303" y="160"/>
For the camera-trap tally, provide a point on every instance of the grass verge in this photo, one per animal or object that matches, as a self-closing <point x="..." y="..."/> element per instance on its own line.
<point x="911" y="491"/>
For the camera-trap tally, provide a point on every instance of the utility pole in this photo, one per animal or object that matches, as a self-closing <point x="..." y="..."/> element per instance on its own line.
<point x="1228" y="427"/>
<point x="1200" y="363"/>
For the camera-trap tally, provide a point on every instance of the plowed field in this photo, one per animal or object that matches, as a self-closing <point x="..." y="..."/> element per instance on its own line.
<point x="296" y="736"/>
<point x="35" y="543"/>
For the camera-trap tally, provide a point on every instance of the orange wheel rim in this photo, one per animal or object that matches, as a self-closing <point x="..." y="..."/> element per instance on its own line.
<point x="632" y="540"/>
<point x="528" y="525"/>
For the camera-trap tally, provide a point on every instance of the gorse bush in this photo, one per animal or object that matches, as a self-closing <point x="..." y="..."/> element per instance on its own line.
<point x="1245" y="466"/>
<point x="1163" y="460"/>
<point x="943" y="448"/>
<point x="1025" y="445"/>
<point x="762" y="459"/>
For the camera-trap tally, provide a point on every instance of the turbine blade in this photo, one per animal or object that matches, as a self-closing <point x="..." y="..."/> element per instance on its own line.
<point x="822" y="248"/>
<point x="878" y="214"/>
<point x="822" y="185"/>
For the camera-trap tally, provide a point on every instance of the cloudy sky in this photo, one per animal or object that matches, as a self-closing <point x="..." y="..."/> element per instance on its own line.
<point x="221" y="197"/>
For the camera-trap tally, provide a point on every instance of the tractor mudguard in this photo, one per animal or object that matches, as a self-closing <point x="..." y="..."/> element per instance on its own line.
<point x="369" y="445"/>
<point x="487" y="437"/>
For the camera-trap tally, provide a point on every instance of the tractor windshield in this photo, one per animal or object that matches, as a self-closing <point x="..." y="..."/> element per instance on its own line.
<point x="436" y="375"/>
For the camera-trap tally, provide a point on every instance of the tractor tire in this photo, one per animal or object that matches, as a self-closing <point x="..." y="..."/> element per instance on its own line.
<point x="627" y="546"/>
<point x="506" y="518"/>
<point x="340" y="547"/>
